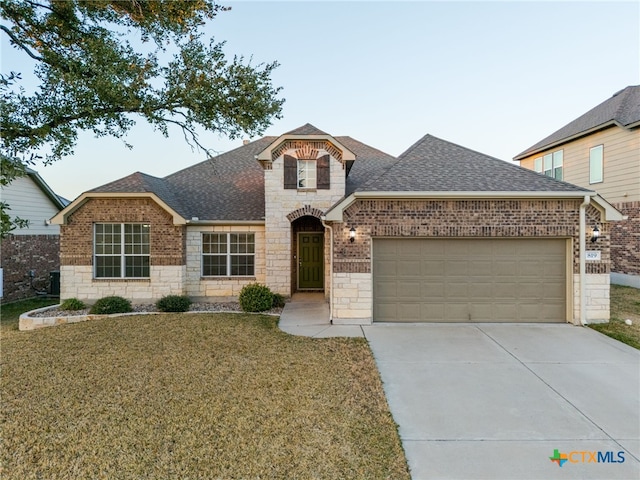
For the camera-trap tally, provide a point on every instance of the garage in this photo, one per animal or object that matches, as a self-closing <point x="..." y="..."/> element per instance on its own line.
<point x="470" y="280"/>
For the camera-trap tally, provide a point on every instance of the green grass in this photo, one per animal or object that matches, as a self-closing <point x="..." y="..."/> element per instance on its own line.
<point x="625" y="304"/>
<point x="198" y="396"/>
<point x="10" y="312"/>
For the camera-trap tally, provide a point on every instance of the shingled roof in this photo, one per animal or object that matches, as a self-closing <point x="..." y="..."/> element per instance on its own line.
<point x="622" y="109"/>
<point x="230" y="186"/>
<point x="435" y="165"/>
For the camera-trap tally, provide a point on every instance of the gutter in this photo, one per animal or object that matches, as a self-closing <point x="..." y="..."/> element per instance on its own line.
<point x="583" y="262"/>
<point x="322" y="219"/>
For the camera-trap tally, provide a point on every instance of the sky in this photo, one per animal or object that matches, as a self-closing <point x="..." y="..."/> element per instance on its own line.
<point x="495" y="77"/>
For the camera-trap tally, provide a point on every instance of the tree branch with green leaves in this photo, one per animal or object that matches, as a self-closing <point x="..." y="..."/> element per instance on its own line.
<point x="101" y="66"/>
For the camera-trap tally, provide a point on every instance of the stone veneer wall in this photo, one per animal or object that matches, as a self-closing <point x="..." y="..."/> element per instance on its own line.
<point x="597" y="301"/>
<point x="353" y="300"/>
<point x="625" y="240"/>
<point x="220" y="288"/>
<point x="21" y="253"/>
<point x="281" y="202"/>
<point x="167" y="251"/>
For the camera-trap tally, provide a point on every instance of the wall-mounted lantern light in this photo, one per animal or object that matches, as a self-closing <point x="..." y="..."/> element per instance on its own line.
<point x="352" y="235"/>
<point x="595" y="233"/>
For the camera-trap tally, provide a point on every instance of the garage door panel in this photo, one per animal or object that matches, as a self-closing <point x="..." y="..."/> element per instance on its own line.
<point x="385" y="267"/>
<point x="505" y="268"/>
<point x="386" y="289"/>
<point x="553" y="268"/>
<point x="409" y="290"/>
<point x="480" y="291"/>
<point x="504" y="312"/>
<point x="410" y="268"/>
<point x="455" y="248"/>
<point x="410" y="312"/>
<point x="461" y="280"/>
<point x="432" y="291"/>
<point x="480" y="268"/>
<point x="432" y="312"/>
<point x="432" y="267"/>
<point x="530" y="268"/>
<point x="504" y="291"/>
<point x="482" y="312"/>
<point x="457" y="267"/>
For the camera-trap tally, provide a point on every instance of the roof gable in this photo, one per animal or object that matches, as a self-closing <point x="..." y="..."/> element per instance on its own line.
<point x="306" y="129"/>
<point x="622" y="109"/>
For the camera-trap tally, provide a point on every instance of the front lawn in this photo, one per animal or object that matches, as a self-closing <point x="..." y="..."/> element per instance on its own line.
<point x="192" y="396"/>
<point x="625" y="304"/>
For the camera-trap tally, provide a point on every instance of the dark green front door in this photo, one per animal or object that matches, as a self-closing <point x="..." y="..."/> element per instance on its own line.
<point x="311" y="261"/>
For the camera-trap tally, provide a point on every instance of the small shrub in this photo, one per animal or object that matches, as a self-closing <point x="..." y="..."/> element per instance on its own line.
<point x="255" y="298"/>
<point x="108" y="305"/>
<point x="278" y="301"/>
<point x="174" y="303"/>
<point x="72" y="304"/>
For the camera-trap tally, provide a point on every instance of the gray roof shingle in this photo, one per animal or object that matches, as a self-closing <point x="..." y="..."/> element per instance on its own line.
<point x="623" y="108"/>
<point x="435" y="165"/>
<point x="230" y="186"/>
<point x="306" y="129"/>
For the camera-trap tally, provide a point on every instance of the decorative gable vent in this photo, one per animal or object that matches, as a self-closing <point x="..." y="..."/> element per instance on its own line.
<point x="307" y="146"/>
<point x="307" y="152"/>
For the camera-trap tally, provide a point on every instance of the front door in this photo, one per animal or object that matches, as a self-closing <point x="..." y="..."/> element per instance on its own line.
<point x="311" y="261"/>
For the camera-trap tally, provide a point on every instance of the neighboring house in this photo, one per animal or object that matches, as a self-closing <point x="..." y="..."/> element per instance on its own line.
<point x="34" y="249"/>
<point x="441" y="233"/>
<point x="600" y="150"/>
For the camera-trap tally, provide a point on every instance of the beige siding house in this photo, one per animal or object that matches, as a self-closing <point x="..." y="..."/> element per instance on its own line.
<point x="600" y="150"/>
<point x="439" y="234"/>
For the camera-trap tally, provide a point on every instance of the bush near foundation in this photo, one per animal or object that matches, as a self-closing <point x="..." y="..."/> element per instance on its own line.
<point x="174" y="303"/>
<point x="255" y="298"/>
<point x="109" y="305"/>
<point x="72" y="304"/>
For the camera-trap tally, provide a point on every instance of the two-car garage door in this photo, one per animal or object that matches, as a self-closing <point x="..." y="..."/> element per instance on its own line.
<point x="469" y="280"/>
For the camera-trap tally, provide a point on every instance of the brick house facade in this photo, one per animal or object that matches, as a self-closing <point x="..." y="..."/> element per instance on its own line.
<point x="307" y="211"/>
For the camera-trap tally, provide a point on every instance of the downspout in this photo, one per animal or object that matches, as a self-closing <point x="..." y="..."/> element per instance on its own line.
<point x="583" y="262"/>
<point x="322" y="219"/>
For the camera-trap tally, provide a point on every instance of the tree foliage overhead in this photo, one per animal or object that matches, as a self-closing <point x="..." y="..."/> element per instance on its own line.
<point x="93" y="78"/>
<point x="103" y="64"/>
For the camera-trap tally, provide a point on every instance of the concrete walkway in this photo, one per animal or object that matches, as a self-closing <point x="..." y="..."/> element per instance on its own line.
<point x="307" y="314"/>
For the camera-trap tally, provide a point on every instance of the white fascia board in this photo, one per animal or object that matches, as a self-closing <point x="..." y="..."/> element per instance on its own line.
<point x="265" y="155"/>
<point x="230" y="223"/>
<point x="335" y="213"/>
<point x="611" y="213"/>
<point x="61" y="217"/>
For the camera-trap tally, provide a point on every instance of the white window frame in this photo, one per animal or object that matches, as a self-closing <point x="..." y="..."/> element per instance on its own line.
<point x="307" y="175"/>
<point x="250" y="244"/>
<point x="143" y="247"/>
<point x="594" y="156"/>
<point x="537" y="165"/>
<point x="551" y="164"/>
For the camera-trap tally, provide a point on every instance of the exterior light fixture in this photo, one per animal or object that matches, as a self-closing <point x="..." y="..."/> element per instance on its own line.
<point x="595" y="233"/>
<point x="352" y="234"/>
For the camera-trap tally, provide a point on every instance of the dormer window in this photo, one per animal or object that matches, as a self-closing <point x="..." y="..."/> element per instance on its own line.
<point x="307" y="174"/>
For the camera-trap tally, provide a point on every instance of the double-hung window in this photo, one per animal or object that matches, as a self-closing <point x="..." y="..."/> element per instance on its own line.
<point x="550" y="164"/>
<point x="307" y="174"/>
<point x="121" y="250"/>
<point x="228" y="254"/>
<point x="596" y="164"/>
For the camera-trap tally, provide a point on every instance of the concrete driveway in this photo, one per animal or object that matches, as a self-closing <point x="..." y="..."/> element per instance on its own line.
<point x="495" y="401"/>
